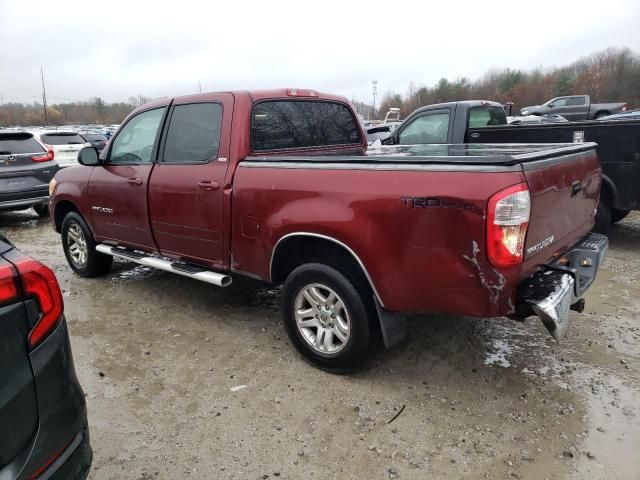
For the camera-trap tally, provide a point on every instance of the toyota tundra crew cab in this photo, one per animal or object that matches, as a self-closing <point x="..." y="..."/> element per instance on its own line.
<point x="278" y="186"/>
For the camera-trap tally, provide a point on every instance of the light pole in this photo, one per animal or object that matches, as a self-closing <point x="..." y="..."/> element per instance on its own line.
<point x="375" y="92"/>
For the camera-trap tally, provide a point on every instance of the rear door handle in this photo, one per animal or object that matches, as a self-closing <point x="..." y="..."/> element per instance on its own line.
<point x="208" y="185"/>
<point x="575" y="188"/>
<point x="135" y="181"/>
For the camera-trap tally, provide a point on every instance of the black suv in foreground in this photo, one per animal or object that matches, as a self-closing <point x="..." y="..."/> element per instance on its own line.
<point x="26" y="168"/>
<point x="43" y="418"/>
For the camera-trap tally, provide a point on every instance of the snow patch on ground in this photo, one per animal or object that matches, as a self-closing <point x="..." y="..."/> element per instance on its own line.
<point x="501" y="354"/>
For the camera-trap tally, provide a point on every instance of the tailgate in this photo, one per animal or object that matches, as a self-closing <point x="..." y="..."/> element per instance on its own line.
<point x="564" y="193"/>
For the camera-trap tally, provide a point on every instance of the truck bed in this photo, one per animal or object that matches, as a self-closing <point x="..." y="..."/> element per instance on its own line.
<point x="417" y="215"/>
<point x="460" y="154"/>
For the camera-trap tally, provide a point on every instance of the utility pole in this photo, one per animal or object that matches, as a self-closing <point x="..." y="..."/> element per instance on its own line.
<point x="375" y="92"/>
<point x="199" y="87"/>
<point x="44" y="98"/>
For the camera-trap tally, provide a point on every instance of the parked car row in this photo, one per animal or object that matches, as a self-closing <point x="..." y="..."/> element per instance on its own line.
<point x="30" y="158"/>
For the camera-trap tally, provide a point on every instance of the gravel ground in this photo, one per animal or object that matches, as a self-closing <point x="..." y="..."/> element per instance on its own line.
<point x="184" y="380"/>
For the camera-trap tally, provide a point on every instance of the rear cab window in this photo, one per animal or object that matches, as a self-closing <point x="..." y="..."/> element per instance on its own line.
<point x="289" y="124"/>
<point x="576" y="101"/>
<point x="62" y="139"/>
<point x="486" y="116"/>
<point x="19" y="143"/>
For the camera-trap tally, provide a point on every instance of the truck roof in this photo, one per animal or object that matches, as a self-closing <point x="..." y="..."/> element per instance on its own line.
<point x="469" y="103"/>
<point x="252" y="95"/>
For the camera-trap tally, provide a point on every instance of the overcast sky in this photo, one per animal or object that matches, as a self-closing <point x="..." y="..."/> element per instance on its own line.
<point x="117" y="49"/>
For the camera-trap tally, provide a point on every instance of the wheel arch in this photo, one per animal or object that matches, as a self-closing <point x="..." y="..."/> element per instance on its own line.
<point x="292" y="249"/>
<point x="62" y="208"/>
<point x="608" y="192"/>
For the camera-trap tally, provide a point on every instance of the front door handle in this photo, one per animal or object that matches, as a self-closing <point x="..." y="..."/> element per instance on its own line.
<point x="135" y="181"/>
<point x="208" y="185"/>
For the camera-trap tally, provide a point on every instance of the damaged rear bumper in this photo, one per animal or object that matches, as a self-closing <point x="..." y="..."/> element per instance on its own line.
<point x="558" y="288"/>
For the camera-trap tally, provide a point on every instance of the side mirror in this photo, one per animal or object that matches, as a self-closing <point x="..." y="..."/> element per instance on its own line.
<point x="88" y="156"/>
<point x="391" y="140"/>
<point x="550" y="105"/>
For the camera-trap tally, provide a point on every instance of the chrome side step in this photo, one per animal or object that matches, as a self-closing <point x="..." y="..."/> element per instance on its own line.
<point x="181" y="268"/>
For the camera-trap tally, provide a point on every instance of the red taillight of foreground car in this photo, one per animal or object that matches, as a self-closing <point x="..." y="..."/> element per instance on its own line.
<point x="44" y="158"/>
<point x="39" y="282"/>
<point x="8" y="287"/>
<point x="507" y="223"/>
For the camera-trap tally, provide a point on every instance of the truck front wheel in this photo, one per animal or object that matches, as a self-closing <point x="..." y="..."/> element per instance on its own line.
<point x="329" y="317"/>
<point x="80" y="248"/>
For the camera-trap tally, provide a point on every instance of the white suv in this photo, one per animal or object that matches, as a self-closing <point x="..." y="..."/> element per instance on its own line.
<point x="65" y="144"/>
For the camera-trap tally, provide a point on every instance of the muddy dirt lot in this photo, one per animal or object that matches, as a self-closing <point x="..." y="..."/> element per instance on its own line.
<point x="160" y="358"/>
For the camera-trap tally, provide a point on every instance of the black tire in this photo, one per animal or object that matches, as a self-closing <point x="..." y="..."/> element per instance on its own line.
<point x="358" y="305"/>
<point x="603" y="218"/>
<point x="96" y="263"/>
<point x="619" y="215"/>
<point x="42" y="210"/>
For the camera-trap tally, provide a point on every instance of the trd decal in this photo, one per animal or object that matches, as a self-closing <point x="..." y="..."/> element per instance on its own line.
<point x="102" y="209"/>
<point x="542" y="245"/>
<point x="436" y="202"/>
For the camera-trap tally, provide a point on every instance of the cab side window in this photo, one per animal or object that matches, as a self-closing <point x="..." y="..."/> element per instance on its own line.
<point x="561" y="102"/>
<point x="194" y="133"/>
<point x="134" y="143"/>
<point x="430" y="128"/>
<point x="573" y="101"/>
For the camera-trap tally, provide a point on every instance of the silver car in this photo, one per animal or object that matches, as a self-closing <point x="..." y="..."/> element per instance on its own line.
<point x="26" y="168"/>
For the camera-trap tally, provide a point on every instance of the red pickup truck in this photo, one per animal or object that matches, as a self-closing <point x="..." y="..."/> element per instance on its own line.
<point x="278" y="186"/>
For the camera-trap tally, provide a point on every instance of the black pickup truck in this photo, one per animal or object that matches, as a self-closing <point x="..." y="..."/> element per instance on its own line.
<point x="479" y="121"/>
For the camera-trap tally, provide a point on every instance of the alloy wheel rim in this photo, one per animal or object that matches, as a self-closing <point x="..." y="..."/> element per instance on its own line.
<point x="322" y="319"/>
<point x="77" y="245"/>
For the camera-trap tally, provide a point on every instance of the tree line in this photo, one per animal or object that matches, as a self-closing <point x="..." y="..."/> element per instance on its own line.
<point x="611" y="75"/>
<point x="95" y="111"/>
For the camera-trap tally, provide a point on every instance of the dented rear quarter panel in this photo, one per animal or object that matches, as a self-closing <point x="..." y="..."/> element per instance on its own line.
<point x="420" y="258"/>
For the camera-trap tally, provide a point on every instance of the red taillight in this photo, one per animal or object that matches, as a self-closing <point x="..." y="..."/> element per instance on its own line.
<point x="39" y="282"/>
<point x="52" y="459"/>
<point x="507" y="223"/>
<point x="8" y="288"/>
<point x="44" y="158"/>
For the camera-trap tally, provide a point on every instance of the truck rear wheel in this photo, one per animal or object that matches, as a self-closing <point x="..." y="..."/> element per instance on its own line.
<point x="80" y="248"/>
<point x="42" y="210"/>
<point x="329" y="317"/>
<point x="619" y="215"/>
<point x="603" y="218"/>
